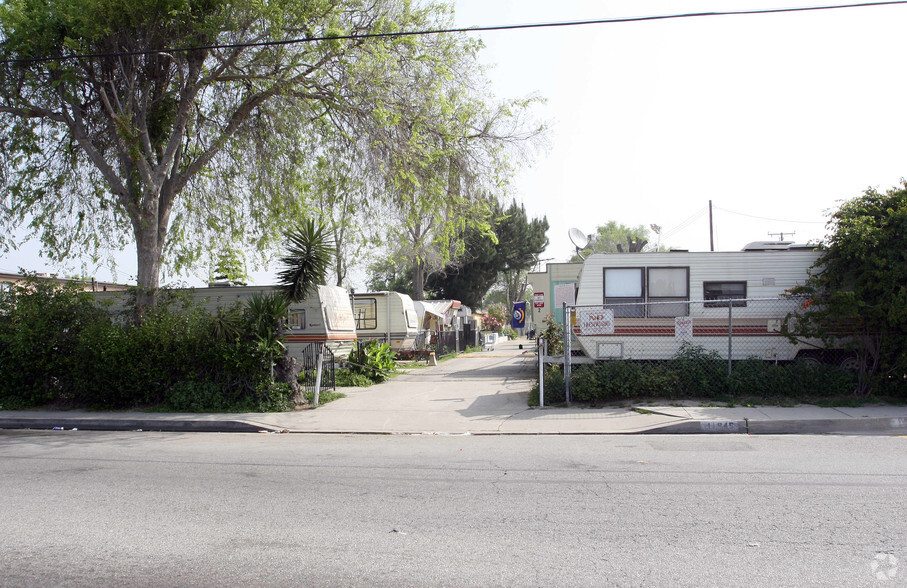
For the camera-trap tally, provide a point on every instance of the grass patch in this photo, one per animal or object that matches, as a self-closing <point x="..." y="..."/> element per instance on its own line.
<point x="324" y="397"/>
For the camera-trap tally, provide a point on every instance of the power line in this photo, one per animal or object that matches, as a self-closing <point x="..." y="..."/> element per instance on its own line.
<point x="777" y="220"/>
<point x="685" y="224"/>
<point x="473" y="29"/>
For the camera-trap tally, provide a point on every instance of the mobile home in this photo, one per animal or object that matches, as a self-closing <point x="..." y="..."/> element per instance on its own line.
<point x="387" y="316"/>
<point x="646" y="305"/>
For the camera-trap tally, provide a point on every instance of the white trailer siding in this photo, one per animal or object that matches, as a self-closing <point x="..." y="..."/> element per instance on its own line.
<point x="388" y="316"/>
<point x="743" y="274"/>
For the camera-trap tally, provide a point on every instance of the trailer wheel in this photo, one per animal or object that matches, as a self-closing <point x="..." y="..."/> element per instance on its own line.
<point x="810" y="358"/>
<point x="851" y="363"/>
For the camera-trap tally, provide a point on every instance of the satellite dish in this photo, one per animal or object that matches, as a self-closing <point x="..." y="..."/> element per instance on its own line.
<point x="579" y="239"/>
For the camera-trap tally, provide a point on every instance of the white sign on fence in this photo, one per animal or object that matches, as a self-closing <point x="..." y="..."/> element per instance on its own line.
<point x="683" y="328"/>
<point x="595" y="321"/>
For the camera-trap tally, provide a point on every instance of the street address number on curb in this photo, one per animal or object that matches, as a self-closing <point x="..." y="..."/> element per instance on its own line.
<point x="720" y="426"/>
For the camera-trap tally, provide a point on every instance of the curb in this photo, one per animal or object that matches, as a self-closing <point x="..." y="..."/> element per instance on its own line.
<point x="169" y="426"/>
<point x="883" y="425"/>
<point x="862" y="426"/>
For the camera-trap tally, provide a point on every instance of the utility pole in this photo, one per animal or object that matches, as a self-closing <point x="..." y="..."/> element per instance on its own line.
<point x="711" y="231"/>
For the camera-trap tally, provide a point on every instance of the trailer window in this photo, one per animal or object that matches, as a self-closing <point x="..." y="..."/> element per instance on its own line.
<point x="669" y="291"/>
<point x="623" y="286"/>
<point x="366" y="311"/>
<point x="412" y="319"/>
<point x="296" y="320"/>
<point x="715" y="291"/>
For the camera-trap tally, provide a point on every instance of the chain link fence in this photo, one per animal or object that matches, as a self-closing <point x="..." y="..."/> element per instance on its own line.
<point x="733" y="329"/>
<point x="705" y="348"/>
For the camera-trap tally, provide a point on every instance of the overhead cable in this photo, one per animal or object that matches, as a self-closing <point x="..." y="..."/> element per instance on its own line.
<point x="473" y="29"/>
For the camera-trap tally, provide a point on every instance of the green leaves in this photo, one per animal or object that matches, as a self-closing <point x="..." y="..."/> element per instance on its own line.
<point x="857" y="295"/>
<point x="307" y="260"/>
<point x="373" y="359"/>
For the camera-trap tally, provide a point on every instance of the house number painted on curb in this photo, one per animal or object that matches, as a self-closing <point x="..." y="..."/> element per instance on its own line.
<point x="719" y="426"/>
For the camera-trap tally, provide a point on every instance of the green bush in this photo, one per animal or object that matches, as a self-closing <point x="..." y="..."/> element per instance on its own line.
<point x="346" y="378"/>
<point x="699" y="373"/>
<point x="40" y="326"/>
<point x="56" y="345"/>
<point x="555" y="390"/>
<point x="803" y="380"/>
<point x="193" y="396"/>
<point x="696" y="373"/>
<point x="374" y="360"/>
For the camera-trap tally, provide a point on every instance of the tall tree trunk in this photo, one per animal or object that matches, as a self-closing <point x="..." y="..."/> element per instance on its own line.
<point x="149" y="254"/>
<point x="418" y="280"/>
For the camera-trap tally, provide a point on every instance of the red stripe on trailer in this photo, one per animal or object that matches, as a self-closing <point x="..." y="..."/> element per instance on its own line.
<point x="316" y="338"/>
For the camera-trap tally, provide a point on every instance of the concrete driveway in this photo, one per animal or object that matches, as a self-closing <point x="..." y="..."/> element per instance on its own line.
<point x="481" y="392"/>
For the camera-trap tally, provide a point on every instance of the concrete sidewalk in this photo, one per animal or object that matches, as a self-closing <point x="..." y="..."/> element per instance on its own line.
<point x="482" y="393"/>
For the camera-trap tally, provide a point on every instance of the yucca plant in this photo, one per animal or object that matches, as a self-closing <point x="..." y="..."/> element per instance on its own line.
<point x="307" y="260"/>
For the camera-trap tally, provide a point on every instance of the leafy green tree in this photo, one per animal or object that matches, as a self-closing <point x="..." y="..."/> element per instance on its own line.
<point x="230" y="267"/>
<point x="857" y="294"/>
<point x="180" y="126"/>
<point x="390" y="274"/>
<point x="502" y="255"/>
<point x="614" y="237"/>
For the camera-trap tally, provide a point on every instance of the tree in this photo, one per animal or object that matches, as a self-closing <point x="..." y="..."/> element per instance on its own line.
<point x="504" y="255"/>
<point x="615" y="238"/>
<point x="857" y="294"/>
<point x="390" y="274"/>
<point x="230" y="267"/>
<point x="179" y="125"/>
<point x="451" y="151"/>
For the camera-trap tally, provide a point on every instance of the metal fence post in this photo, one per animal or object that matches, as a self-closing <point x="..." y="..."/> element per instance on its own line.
<point x="730" y="334"/>
<point x="319" y="366"/>
<point x="540" y="353"/>
<point x="567" y="366"/>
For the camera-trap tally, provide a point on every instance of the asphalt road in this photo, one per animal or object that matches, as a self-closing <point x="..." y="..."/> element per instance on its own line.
<point x="155" y="509"/>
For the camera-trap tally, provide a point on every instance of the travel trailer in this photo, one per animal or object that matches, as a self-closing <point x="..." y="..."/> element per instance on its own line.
<point x="386" y="316"/>
<point x="645" y="306"/>
<point x="324" y="317"/>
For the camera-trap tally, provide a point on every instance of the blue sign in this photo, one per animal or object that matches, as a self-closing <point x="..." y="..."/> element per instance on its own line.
<point x="519" y="315"/>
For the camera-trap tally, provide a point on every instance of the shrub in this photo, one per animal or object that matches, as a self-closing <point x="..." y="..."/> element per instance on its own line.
<point x="698" y="373"/>
<point x="40" y="326"/>
<point x="555" y="390"/>
<point x="346" y="378"/>
<point x="374" y="360"/>
<point x="57" y="346"/>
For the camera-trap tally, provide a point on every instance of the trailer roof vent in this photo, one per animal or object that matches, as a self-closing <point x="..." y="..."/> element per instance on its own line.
<point x="768" y="246"/>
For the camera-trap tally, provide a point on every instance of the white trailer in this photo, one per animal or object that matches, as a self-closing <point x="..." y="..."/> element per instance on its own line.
<point x="644" y="306"/>
<point x="324" y="317"/>
<point x="386" y="316"/>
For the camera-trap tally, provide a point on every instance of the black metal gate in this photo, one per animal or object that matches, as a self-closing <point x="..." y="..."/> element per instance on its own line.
<point x="309" y="363"/>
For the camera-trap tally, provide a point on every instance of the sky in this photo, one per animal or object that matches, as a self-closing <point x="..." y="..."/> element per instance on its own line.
<point x="776" y="119"/>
